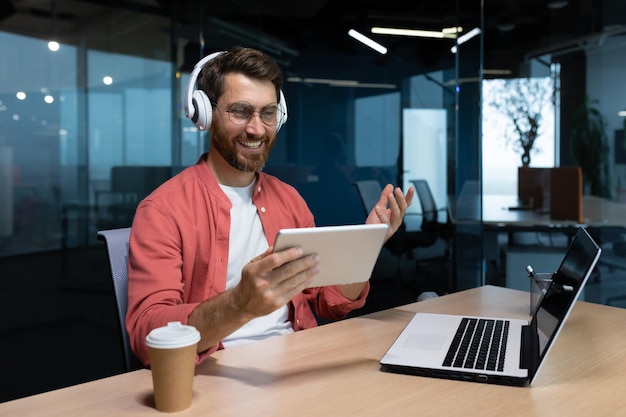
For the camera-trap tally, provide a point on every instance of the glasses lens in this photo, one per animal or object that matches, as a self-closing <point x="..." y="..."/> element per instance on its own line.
<point x="269" y="115"/>
<point x="241" y="113"/>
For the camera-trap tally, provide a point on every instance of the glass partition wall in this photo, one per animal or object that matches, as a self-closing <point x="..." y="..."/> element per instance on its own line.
<point x="553" y="98"/>
<point x="72" y="113"/>
<point x="88" y="129"/>
<point x="91" y="127"/>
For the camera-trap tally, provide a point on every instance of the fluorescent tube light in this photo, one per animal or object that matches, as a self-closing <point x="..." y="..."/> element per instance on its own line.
<point x="413" y="32"/>
<point x="621" y="113"/>
<point x="340" y="83"/>
<point x="367" y="41"/>
<point x="497" y="71"/>
<point x="464" y="38"/>
<point x="452" y="30"/>
<point x="467" y="36"/>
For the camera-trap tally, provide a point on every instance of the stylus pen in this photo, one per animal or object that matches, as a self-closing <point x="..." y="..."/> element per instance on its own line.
<point x="563" y="287"/>
<point x="531" y="272"/>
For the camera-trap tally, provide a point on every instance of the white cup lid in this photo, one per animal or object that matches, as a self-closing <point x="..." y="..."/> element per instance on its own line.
<point x="174" y="335"/>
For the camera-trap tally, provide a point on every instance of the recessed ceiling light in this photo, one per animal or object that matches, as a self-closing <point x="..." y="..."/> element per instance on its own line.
<point x="506" y="27"/>
<point x="557" y="4"/>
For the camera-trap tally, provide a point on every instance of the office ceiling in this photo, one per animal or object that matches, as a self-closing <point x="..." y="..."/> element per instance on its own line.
<point x="309" y="37"/>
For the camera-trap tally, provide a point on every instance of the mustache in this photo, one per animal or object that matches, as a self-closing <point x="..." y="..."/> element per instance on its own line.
<point x="246" y="137"/>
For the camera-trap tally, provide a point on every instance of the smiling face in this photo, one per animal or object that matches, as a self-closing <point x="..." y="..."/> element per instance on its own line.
<point x="241" y="151"/>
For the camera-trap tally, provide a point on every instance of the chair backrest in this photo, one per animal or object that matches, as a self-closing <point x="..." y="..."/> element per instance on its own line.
<point x="427" y="201"/>
<point x="117" y="242"/>
<point x="369" y="191"/>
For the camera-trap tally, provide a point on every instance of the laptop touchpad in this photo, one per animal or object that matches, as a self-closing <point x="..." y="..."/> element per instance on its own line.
<point x="424" y="341"/>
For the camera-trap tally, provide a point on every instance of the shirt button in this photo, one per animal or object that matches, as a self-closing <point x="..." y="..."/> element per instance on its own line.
<point x="258" y="190"/>
<point x="262" y="209"/>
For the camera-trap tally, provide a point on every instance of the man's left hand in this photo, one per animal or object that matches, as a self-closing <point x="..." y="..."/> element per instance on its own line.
<point x="390" y="208"/>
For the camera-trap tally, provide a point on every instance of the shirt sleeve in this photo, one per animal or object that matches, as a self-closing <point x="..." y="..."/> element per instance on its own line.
<point x="155" y="287"/>
<point x="329" y="303"/>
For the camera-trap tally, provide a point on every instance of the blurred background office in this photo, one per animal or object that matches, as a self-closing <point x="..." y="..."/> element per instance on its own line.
<point x="91" y="121"/>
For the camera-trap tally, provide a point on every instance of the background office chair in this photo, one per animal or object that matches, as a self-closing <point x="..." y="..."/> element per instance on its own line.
<point x="369" y="191"/>
<point x="430" y="216"/>
<point x="408" y="243"/>
<point x="116" y="241"/>
<point x="403" y="242"/>
<point x="436" y="238"/>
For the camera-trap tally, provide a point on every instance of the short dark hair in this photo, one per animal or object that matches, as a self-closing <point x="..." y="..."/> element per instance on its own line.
<point x="247" y="61"/>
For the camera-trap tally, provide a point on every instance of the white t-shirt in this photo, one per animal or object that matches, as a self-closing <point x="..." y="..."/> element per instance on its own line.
<point x="247" y="240"/>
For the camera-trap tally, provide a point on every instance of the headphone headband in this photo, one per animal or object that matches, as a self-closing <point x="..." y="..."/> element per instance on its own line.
<point x="198" y="107"/>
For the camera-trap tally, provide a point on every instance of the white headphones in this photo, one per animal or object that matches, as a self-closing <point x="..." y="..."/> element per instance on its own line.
<point x="198" y="106"/>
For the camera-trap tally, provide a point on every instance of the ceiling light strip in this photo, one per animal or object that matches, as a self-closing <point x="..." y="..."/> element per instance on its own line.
<point x="464" y="38"/>
<point x="414" y="33"/>
<point x="340" y="83"/>
<point x="367" y="41"/>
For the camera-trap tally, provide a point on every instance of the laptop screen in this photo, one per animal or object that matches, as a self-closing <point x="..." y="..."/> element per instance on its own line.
<point x="567" y="283"/>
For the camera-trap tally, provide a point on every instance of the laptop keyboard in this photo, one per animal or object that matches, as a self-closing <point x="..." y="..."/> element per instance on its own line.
<point x="478" y="344"/>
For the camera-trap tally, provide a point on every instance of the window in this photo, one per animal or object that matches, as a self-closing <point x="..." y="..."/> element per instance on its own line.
<point x="508" y="106"/>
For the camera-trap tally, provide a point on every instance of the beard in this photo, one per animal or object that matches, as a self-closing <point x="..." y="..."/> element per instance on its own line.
<point x="227" y="147"/>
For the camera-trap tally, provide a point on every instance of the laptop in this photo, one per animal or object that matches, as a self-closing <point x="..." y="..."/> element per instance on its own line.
<point x="347" y="253"/>
<point x="438" y="345"/>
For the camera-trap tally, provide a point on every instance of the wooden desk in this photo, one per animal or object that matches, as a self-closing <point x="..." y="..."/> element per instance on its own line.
<point x="334" y="370"/>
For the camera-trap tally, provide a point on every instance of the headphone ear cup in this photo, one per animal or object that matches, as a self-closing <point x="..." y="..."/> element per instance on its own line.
<point x="203" y="111"/>
<point x="283" y="106"/>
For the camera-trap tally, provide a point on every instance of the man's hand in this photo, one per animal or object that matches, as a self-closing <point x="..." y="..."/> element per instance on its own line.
<point x="391" y="208"/>
<point x="268" y="282"/>
<point x="272" y="279"/>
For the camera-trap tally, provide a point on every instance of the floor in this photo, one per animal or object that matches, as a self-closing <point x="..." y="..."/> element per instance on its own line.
<point x="61" y="328"/>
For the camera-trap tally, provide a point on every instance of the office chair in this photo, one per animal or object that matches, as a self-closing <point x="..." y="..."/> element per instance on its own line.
<point x="430" y="215"/>
<point x="116" y="241"/>
<point x="433" y="232"/>
<point x="369" y="191"/>
<point x="403" y="242"/>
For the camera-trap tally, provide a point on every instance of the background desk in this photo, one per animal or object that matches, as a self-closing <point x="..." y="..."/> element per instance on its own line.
<point x="597" y="211"/>
<point x="507" y="247"/>
<point x="334" y="370"/>
<point x="496" y="213"/>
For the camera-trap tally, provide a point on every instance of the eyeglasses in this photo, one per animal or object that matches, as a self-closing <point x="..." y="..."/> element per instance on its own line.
<point x="240" y="113"/>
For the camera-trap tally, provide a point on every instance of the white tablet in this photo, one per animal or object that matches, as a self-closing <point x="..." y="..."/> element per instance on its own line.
<point x="347" y="253"/>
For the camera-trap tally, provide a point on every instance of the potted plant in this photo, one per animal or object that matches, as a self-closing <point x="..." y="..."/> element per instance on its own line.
<point x="590" y="149"/>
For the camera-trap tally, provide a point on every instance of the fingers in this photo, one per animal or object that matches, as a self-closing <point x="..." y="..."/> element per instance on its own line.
<point x="391" y="207"/>
<point x="271" y="280"/>
<point x="288" y="265"/>
<point x="383" y="200"/>
<point x="398" y="204"/>
<point x="404" y="200"/>
<point x="409" y="196"/>
<point x="293" y="277"/>
<point x="394" y="197"/>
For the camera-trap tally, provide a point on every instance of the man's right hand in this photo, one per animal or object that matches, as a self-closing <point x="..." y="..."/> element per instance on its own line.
<point x="272" y="279"/>
<point x="268" y="282"/>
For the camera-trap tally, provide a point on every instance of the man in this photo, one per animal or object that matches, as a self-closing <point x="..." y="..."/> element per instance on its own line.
<point x="201" y="244"/>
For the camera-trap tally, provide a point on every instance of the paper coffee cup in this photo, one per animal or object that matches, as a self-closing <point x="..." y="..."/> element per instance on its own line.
<point x="172" y="361"/>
